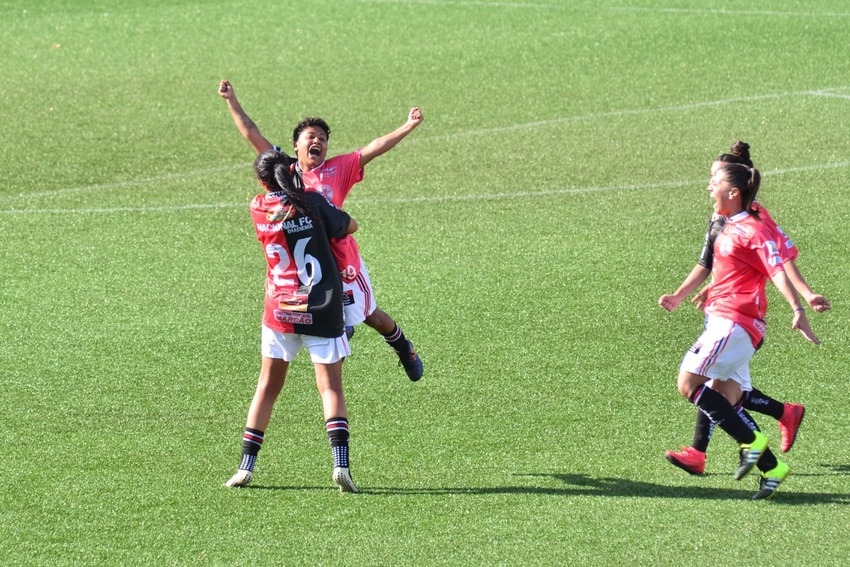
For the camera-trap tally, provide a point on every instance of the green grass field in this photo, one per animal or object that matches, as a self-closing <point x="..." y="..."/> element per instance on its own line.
<point x="521" y="237"/>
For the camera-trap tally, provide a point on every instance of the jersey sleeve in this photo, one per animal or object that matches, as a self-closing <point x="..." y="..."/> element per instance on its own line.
<point x="787" y="248"/>
<point x="715" y="225"/>
<point x="350" y="173"/>
<point x="767" y="251"/>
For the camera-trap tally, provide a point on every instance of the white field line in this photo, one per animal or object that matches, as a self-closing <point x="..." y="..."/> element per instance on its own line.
<point x="726" y="12"/>
<point x="535" y="5"/>
<point x="431" y="199"/>
<point x="478" y="132"/>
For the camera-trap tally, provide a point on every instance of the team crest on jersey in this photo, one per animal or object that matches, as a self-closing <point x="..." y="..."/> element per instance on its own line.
<point x="326" y="191"/>
<point x="725" y="246"/>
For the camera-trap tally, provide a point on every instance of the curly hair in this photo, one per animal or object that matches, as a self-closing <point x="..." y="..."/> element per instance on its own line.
<point x="306" y="123"/>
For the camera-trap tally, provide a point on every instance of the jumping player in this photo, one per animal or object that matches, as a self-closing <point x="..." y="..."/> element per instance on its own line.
<point x="334" y="177"/>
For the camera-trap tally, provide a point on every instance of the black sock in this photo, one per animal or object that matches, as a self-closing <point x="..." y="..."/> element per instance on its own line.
<point x="337" y="428"/>
<point x="252" y="442"/>
<point x="721" y="412"/>
<point x="397" y="340"/>
<point x="760" y="402"/>
<point x="703" y="429"/>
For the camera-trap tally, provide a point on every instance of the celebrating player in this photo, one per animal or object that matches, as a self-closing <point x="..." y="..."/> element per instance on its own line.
<point x="745" y="255"/>
<point x="334" y="178"/>
<point x="302" y="307"/>
<point x="692" y="459"/>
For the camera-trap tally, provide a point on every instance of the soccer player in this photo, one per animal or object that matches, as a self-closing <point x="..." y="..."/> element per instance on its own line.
<point x="745" y="256"/>
<point x="692" y="459"/>
<point x="302" y="307"/>
<point x="334" y="178"/>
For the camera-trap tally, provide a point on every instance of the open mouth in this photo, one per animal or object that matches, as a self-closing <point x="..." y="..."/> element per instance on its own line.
<point x="315" y="151"/>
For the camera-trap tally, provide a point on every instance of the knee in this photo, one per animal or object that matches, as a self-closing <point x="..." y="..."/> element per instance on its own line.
<point x="687" y="384"/>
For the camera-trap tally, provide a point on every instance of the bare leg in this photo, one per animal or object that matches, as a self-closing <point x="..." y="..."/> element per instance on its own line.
<point x="269" y="386"/>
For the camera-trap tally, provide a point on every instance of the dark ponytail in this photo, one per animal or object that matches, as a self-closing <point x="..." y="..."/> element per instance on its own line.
<point x="276" y="171"/>
<point x="747" y="180"/>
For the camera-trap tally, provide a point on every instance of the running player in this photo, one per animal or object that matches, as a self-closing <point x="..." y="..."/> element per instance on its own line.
<point x="334" y="177"/>
<point x="745" y="255"/>
<point x="302" y="307"/>
<point x="789" y="415"/>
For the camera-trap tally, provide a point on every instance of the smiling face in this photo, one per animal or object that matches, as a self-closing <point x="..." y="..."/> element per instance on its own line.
<point x="311" y="147"/>
<point x="727" y="199"/>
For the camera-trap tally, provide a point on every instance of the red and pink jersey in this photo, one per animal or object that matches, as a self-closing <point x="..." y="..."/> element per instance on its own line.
<point x="303" y="294"/>
<point x="745" y="256"/>
<point x="786" y="247"/>
<point x="334" y="179"/>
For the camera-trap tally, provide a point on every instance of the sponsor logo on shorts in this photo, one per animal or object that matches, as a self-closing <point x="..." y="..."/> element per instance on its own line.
<point x="347" y="297"/>
<point x="695" y="348"/>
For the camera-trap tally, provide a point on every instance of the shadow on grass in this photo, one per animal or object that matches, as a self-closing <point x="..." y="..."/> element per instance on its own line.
<point x="586" y="485"/>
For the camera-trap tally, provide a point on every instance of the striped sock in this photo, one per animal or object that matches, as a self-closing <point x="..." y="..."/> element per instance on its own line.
<point x="252" y="442"/>
<point x="397" y="340"/>
<point x="337" y="428"/>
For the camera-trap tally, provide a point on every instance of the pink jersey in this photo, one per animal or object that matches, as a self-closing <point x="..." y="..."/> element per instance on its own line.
<point x="786" y="248"/>
<point x="334" y="179"/>
<point x="745" y="255"/>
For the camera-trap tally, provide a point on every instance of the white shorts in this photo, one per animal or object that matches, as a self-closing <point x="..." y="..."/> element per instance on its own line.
<point x="722" y="352"/>
<point x="323" y="350"/>
<point x="357" y="298"/>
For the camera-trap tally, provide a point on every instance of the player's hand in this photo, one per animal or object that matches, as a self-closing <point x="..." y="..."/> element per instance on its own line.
<point x="669" y="302"/>
<point x="801" y="323"/>
<point x="699" y="298"/>
<point x="819" y="303"/>
<point x="415" y="116"/>
<point x="225" y="90"/>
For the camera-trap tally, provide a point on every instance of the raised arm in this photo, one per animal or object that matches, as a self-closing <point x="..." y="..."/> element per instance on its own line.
<point x="800" y="322"/>
<point x="246" y="126"/>
<point x="671" y="301"/>
<point x="385" y="143"/>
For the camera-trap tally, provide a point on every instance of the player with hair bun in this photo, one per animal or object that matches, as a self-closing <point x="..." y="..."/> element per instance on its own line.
<point x="745" y="256"/>
<point x="692" y="459"/>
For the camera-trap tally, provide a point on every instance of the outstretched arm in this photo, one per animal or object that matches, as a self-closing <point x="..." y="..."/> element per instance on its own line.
<point x="671" y="301"/>
<point x="800" y="322"/>
<point x="385" y="143"/>
<point x="816" y="301"/>
<point x="246" y="126"/>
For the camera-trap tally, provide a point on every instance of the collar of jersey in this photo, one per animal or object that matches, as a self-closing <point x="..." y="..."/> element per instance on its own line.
<point x="740" y="216"/>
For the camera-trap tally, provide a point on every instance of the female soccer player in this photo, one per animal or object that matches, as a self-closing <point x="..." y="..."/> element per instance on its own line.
<point x="692" y="459"/>
<point x="302" y="307"/>
<point x="334" y="178"/>
<point x="745" y="255"/>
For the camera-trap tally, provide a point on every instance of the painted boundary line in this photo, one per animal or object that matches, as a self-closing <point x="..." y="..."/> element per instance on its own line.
<point x="833" y="92"/>
<point x="552" y="6"/>
<point x="434" y="199"/>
